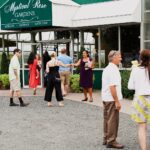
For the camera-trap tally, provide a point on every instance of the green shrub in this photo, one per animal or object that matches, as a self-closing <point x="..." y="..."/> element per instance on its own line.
<point x="4" y="79"/>
<point x="125" y="74"/>
<point x="74" y="83"/>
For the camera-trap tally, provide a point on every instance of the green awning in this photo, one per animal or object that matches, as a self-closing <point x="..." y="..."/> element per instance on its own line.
<point x="2" y="2"/>
<point x="22" y="14"/>
<point x="89" y="1"/>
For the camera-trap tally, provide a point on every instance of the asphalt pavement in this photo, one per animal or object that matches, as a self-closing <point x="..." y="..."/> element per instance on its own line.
<point x="77" y="126"/>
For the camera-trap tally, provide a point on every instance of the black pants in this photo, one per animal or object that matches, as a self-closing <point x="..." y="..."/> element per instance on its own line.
<point x="51" y="84"/>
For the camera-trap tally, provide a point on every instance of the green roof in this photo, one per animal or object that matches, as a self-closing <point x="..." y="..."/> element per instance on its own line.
<point x="89" y="1"/>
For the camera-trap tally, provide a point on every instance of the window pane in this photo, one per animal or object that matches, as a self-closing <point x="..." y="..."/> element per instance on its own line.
<point x="109" y="41"/>
<point x="147" y="17"/>
<point x="130" y="44"/>
<point x="147" y="45"/>
<point x="147" y="4"/>
<point x="147" y="31"/>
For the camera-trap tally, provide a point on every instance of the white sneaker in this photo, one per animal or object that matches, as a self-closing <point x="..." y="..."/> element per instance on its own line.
<point x="49" y="104"/>
<point x="61" y="104"/>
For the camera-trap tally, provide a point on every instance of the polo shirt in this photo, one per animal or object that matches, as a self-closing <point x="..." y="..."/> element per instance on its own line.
<point x="111" y="76"/>
<point x="65" y="60"/>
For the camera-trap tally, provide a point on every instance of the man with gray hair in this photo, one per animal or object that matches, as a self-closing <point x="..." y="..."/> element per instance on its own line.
<point x="111" y="96"/>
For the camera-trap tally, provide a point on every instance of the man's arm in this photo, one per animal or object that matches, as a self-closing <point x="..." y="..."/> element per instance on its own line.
<point x="115" y="97"/>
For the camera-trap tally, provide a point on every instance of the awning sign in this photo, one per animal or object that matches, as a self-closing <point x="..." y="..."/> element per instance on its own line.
<point x="20" y="14"/>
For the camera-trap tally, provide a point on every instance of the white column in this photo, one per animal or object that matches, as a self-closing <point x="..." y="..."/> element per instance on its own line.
<point x="72" y="45"/>
<point x="99" y="47"/>
<point x="142" y="25"/>
<point x="119" y="38"/>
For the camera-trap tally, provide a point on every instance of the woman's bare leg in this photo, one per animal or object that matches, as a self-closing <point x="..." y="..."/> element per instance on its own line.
<point x="142" y="134"/>
<point x="90" y="90"/>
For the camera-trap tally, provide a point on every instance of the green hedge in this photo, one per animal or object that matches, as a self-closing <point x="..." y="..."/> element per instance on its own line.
<point x="74" y="83"/>
<point x="125" y="74"/>
<point x="4" y="81"/>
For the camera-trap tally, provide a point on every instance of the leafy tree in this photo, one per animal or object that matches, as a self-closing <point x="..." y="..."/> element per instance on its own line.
<point x="4" y="63"/>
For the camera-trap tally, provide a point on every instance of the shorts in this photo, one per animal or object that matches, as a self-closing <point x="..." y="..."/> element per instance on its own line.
<point x="65" y="77"/>
<point x="15" y="85"/>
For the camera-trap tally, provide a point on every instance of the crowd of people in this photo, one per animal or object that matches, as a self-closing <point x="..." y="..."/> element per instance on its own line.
<point x="58" y="70"/>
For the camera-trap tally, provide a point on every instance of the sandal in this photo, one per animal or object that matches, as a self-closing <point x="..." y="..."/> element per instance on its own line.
<point x="91" y="100"/>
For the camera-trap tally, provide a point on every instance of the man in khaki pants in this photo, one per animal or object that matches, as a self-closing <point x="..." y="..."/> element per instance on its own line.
<point x="65" y="71"/>
<point x="111" y="96"/>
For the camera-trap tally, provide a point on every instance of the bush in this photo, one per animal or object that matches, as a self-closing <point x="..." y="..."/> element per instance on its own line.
<point x="74" y="83"/>
<point x="4" y="63"/>
<point x="125" y="74"/>
<point x="4" y="79"/>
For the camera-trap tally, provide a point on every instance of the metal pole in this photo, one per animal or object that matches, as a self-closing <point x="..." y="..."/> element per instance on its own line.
<point x="3" y="42"/>
<point x="81" y="39"/>
<point x="119" y="39"/>
<point x="17" y="40"/>
<point x="41" y="53"/>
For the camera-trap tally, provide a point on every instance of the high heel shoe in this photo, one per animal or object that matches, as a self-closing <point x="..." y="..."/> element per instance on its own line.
<point x="85" y="99"/>
<point x="34" y="92"/>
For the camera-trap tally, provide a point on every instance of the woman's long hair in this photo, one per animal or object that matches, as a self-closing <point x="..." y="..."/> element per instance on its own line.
<point x="87" y="52"/>
<point x="31" y="58"/>
<point x="145" y="60"/>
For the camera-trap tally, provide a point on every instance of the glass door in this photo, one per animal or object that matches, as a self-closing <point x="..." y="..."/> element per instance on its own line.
<point x="26" y="50"/>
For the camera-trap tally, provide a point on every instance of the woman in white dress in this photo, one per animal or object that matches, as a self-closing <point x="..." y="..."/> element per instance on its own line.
<point x="140" y="82"/>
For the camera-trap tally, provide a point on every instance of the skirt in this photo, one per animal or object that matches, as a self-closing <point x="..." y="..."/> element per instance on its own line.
<point x="141" y="109"/>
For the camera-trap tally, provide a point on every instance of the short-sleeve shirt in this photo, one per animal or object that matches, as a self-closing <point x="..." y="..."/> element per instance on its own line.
<point x="65" y="60"/>
<point x="111" y="76"/>
<point x="14" y="65"/>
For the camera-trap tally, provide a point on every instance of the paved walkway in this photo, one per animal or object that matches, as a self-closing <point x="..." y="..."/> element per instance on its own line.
<point x="126" y="104"/>
<point x="77" y="126"/>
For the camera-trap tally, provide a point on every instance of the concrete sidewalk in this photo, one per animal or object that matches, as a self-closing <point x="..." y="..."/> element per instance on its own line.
<point x="126" y="104"/>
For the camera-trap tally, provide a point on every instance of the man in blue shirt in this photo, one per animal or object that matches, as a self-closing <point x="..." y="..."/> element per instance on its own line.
<point x="65" y="71"/>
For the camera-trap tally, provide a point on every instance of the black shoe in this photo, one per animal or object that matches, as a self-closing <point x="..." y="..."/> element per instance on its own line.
<point x="115" y="145"/>
<point x="85" y="99"/>
<point x="104" y="143"/>
<point x="24" y="104"/>
<point x="13" y="104"/>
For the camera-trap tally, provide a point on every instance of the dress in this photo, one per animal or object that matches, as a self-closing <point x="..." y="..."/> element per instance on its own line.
<point x="33" y="82"/>
<point x="53" y="82"/>
<point x="86" y="76"/>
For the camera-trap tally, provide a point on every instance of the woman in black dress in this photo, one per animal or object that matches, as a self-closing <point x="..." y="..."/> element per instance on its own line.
<point x="54" y="81"/>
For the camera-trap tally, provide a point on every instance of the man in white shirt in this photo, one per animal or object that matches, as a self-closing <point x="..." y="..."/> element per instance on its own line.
<point x="14" y="78"/>
<point x="111" y="95"/>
